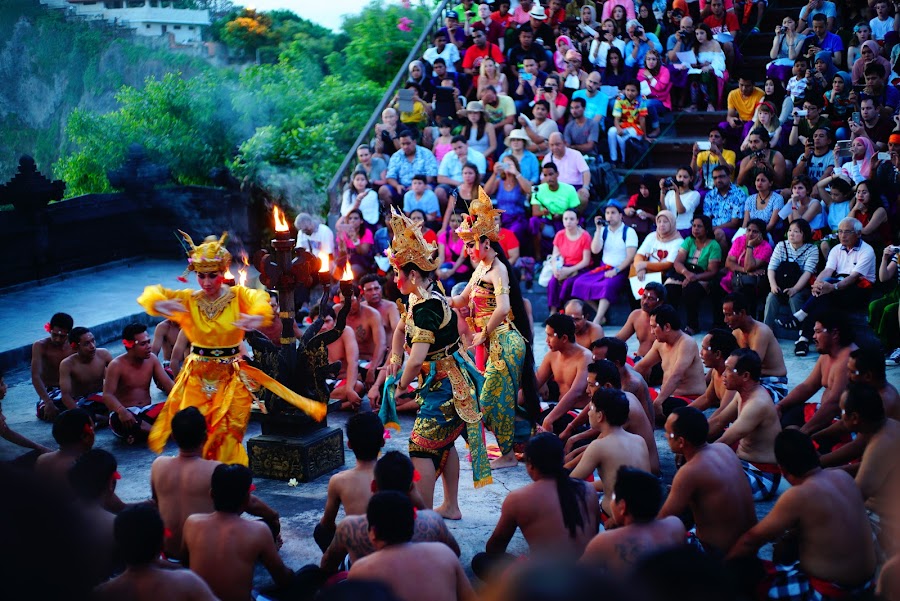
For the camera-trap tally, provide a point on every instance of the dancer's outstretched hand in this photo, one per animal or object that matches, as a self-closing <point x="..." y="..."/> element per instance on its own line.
<point x="169" y="307"/>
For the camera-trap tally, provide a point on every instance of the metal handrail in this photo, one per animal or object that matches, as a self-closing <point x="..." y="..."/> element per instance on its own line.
<point x="334" y="197"/>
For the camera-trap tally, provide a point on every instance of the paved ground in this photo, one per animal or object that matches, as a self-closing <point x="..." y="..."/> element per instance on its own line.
<point x="104" y="298"/>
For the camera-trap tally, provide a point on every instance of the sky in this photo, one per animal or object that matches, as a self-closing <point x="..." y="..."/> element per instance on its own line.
<point x="322" y="12"/>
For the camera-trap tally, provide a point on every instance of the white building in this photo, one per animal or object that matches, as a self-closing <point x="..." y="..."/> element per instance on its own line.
<point x="150" y="18"/>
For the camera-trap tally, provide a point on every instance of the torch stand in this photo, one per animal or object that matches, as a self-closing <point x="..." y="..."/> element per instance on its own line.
<point x="292" y="444"/>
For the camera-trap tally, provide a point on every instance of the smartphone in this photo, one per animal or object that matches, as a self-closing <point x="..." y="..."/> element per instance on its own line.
<point x="405" y="101"/>
<point x="843" y="147"/>
<point x="527" y="76"/>
<point x="589" y="30"/>
<point x="704" y="145"/>
<point x="884" y="156"/>
<point x="856" y="118"/>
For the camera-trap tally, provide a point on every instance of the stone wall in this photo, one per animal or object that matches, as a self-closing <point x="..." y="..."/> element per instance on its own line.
<point x="98" y="228"/>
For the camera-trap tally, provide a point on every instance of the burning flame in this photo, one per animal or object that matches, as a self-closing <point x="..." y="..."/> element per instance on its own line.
<point x="281" y="224"/>
<point x="323" y="257"/>
<point x="228" y="275"/>
<point x="242" y="272"/>
<point x="347" y="275"/>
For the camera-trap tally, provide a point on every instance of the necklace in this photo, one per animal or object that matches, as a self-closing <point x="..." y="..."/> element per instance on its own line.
<point x="211" y="308"/>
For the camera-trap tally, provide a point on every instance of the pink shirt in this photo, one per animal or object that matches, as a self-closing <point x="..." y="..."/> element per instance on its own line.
<point x="572" y="251"/>
<point x="763" y="252"/>
<point x="663" y="87"/>
<point x="608" y="7"/>
<point x="570" y="167"/>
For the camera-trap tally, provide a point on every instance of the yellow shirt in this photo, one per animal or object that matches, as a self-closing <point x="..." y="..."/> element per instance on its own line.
<point x="209" y="324"/>
<point x="745" y="106"/>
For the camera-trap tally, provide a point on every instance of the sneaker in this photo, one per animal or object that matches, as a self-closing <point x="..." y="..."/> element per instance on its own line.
<point x="895" y="356"/>
<point x="801" y="348"/>
<point x="790" y="324"/>
<point x="754" y="31"/>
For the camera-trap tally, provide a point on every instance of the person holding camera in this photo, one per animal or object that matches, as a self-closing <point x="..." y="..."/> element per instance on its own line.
<point x="746" y="264"/>
<point x="606" y="38"/>
<point x="677" y="195"/>
<point x="793" y="264"/>
<point x="680" y="41"/>
<point x="785" y="48"/>
<point x="638" y="44"/>
<point x="618" y="244"/>
<point x="761" y="158"/>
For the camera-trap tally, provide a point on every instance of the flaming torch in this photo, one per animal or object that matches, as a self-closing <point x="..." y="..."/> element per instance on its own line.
<point x="346" y="282"/>
<point x="229" y="277"/>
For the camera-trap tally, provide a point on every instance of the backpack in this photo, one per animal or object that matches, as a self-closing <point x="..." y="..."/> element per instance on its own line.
<point x="637" y="153"/>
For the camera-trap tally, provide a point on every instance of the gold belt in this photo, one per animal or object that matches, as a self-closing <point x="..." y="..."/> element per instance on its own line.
<point x="464" y="395"/>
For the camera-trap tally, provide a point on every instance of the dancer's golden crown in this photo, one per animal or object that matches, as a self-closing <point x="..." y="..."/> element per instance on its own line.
<point x="210" y="256"/>
<point x="409" y="246"/>
<point x="480" y="220"/>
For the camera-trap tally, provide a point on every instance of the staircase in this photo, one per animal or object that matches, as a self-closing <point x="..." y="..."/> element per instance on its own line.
<point x="679" y="131"/>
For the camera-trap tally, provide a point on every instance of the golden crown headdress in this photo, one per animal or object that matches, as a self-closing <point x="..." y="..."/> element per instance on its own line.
<point x="479" y="222"/>
<point x="209" y="256"/>
<point x="409" y="246"/>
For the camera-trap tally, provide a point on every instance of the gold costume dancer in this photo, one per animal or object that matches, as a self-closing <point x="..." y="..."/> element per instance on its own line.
<point x="214" y="378"/>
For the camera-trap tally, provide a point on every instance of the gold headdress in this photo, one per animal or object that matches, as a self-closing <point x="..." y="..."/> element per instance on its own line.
<point x="409" y="246"/>
<point x="480" y="220"/>
<point x="208" y="257"/>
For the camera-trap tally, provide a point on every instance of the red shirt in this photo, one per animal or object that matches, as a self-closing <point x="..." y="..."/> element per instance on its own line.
<point x="474" y="56"/>
<point x="508" y="241"/>
<point x="726" y="25"/>
<point x="429" y="235"/>
<point x="496" y="17"/>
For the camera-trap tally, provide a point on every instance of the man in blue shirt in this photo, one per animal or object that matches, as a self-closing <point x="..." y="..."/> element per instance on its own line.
<point x="639" y="43"/>
<point x="411" y="160"/>
<point x="724" y="205"/>
<point x="596" y="103"/>
<point x="822" y="39"/>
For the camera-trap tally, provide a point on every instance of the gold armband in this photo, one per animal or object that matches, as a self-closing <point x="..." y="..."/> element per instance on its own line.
<point x="420" y="335"/>
<point x="396" y="359"/>
<point x="502" y="290"/>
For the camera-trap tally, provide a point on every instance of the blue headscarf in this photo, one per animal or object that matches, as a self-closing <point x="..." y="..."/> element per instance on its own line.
<point x="830" y="69"/>
<point x="848" y="83"/>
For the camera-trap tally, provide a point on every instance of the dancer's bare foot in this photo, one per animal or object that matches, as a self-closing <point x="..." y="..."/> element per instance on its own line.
<point x="448" y="513"/>
<point x="505" y="461"/>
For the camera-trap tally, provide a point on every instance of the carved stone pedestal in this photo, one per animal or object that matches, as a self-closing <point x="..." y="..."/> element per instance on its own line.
<point x="303" y="457"/>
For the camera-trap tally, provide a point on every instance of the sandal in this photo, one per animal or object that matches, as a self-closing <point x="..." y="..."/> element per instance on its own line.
<point x="791" y="324"/>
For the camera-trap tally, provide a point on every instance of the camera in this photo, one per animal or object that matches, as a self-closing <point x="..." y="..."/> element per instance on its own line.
<point x="639" y="31"/>
<point x="683" y="35"/>
<point x="782" y="29"/>
<point x="501" y="166"/>
<point x="599" y="221"/>
<point x="669" y="182"/>
<point x="802" y="113"/>
<point x="760" y="154"/>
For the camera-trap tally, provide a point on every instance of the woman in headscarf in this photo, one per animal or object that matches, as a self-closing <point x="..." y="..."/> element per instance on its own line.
<point x="417" y="75"/>
<point x="563" y="45"/>
<point x="869" y="52"/>
<point x="859" y="167"/>
<point x="837" y="104"/>
<point x="608" y="6"/>
<point x="648" y="20"/>
<point x="823" y="71"/>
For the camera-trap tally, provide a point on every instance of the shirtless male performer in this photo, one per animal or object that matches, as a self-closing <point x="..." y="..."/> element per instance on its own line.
<point x="557" y="514"/>
<point x="393" y="472"/>
<point x="825" y="510"/>
<point x="637" y="499"/>
<point x="638" y="322"/>
<point x="865" y="366"/>
<point x="81" y="376"/>
<point x="585" y="331"/>
<point x="372" y="291"/>
<point x="73" y="431"/>
<point x="834" y="341"/>
<point x="754" y="423"/>
<point x="683" y="377"/>
<point x="391" y="518"/>
<point x="345" y="350"/>
<point x="139" y="535"/>
<point x="711" y="484"/>
<point x="352" y="488"/>
<point x="46" y="355"/>
<point x="756" y="335"/>
<point x="371" y="340"/>
<point x="715" y="348"/>
<point x="614" y="448"/>
<point x="223" y="548"/>
<point x="604" y="374"/>
<point x="165" y="335"/>
<point x="126" y="390"/>
<point x="616" y="351"/>
<point x="878" y="477"/>
<point x="566" y="362"/>
<point x="14" y="437"/>
<point x="180" y="485"/>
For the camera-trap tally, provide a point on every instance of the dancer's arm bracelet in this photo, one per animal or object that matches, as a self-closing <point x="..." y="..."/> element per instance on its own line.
<point x="396" y="359"/>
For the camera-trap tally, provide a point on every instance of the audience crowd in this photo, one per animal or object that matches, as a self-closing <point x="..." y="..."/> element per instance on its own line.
<point x="781" y="223"/>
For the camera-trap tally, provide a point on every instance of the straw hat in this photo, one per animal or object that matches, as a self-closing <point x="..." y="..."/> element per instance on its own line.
<point x="516" y="134"/>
